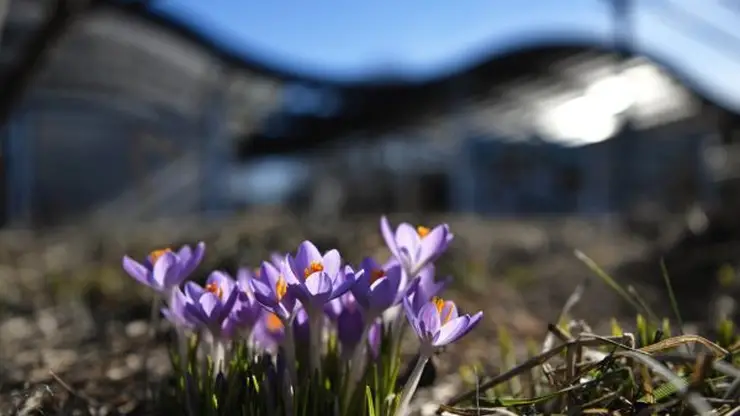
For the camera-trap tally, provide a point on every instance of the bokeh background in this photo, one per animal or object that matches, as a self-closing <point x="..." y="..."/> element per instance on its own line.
<point x="534" y="128"/>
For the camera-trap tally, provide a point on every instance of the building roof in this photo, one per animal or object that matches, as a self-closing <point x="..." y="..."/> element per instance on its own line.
<point x="497" y="88"/>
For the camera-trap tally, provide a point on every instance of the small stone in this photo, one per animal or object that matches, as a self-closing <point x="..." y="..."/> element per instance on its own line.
<point x="47" y="323"/>
<point x="118" y="373"/>
<point x="134" y="362"/>
<point x="137" y="329"/>
<point x="16" y="329"/>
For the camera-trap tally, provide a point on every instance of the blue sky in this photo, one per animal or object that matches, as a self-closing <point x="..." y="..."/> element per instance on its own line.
<point x="352" y="39"/>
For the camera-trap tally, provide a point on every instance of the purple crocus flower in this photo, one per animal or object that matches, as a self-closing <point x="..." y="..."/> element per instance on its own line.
<point x="350" y="323"/>
<point x="164" y="269"/>
<point x="334" y="307"/>
<point x="245" y="312"/>
<point x="316" y="279"/>
<point x="425" y="288"/>
<point x="270" y="289"/>
<point x="244" y="278"/>
<point x="269" y="331"/>
<point x="277" y="259"/>
<point x="301" y="327"/>
<point x="246" y="274"/>
<point x="377" y="289"/>
<point x="415" y="248"/>
<point x="175" y="312"/>
<point x="437" y="323"/>
<point x="212" y="304"/>
<point x="375" y="337"/>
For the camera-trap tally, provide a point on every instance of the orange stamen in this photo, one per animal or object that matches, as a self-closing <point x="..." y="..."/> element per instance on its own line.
<point x="422" y="231"/>
<point x="274" y="324"/>
<point x="281" y="288"/>
<point x="312" y="268"/>
<point x="256" y="272"/>
<point x="156" y="254"/>
<point x="439" y="303"/>
<point x="376" y="274"/>
<point x="216" y="289"/>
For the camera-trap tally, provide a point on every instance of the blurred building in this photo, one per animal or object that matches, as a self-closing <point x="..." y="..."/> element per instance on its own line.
<point x="131" y="116"/>
<point x="546" y="129"/>
<point x="136" y="116"/>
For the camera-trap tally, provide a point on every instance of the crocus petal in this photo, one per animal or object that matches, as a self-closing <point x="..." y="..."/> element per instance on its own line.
<point x="385" y="293"/>
<point x="411" y="316"/>
<point x="189" y="259"/>
<point x="432" y="245"/>
<point x="361" y="289"/>
<point x="136" y="270"/>
<point x="349" y="328"/>
<point x="374" y="338"/>
<point x="332" y="262"/>
<point x="456" y="329"/>
<point x="269" y="274"/>
<point x="246" y="310"/>
<point x="277" y="259"/>
<point x="228" y="304"/>
<point x="185" y="253"/>
<point x="449" y="312"/>
<point x="429" y="316"/>
<point x="450" y="332"/>
<point x="166" y="272"/>
<point x="406" y="236"/>
<point x="264" y="294"/>
<point x="406" y="258"/>
<point x="345" y="281"/>
<point x="243" y="280"/>
<point x="427" y="287"/>
<point x="369" y="264"/>
<point x="193" y="290"/>
<point x="177" y="301"/>
<point x="168" y="315"/>
<point x="194" y="261"/>
<point x="211" y="306"/>
<point x="395" y="276"/>
<point x="300" y="291"/>
<point x="218" y="278"/>
<point x="333" y="308"/>
<point x="289" y="270"/>
<point x="306" y="253"/>
<point x="318" y="286"/>
<point x="388" y="235"/>
<point x="194" y="313"/>
<point x="301" y="326"/>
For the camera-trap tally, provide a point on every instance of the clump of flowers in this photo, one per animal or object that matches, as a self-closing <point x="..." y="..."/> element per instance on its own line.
<point x="305" y="333"/>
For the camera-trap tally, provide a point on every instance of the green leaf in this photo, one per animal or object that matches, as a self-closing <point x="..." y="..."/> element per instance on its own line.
<point x="616" y="328"/>
<point x="370" y="402"/>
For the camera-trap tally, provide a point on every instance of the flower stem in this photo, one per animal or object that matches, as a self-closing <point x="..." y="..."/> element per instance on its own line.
<point x="413" y="382"/>
<point x="154" y="317"/>
<point x="182" y="348"/>
<point x="153" y="323"/>
<point x="356" y="364"/>
<point x="316" y="329"/>
<point x="218" y="354"/>
<point x="291" y="380"/>
<point x="290" y="359"/>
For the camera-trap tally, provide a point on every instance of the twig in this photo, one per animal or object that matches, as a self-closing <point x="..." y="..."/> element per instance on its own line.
<point x="71" y="390"/>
